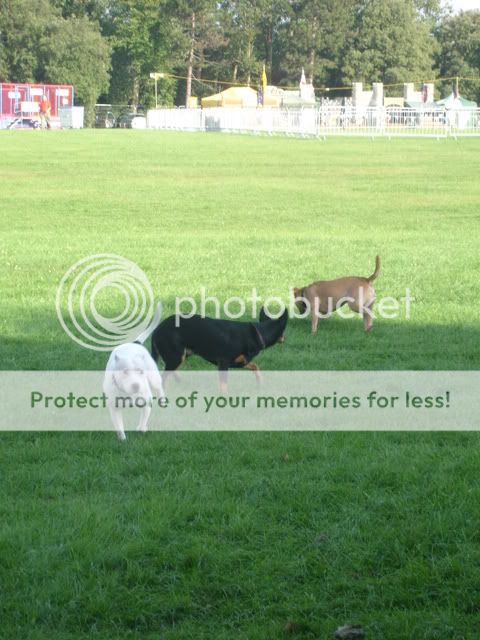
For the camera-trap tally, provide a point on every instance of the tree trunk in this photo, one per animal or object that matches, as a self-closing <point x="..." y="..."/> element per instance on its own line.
<point x="270" y="51"/>
<point x="249" y="60"/>
<point x="191" y="57"/>
<point x="311" y="59"/>
<point x="135" y="91"/>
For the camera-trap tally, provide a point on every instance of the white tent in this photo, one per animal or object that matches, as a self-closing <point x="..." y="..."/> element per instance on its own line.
<point x="460" y="111"/>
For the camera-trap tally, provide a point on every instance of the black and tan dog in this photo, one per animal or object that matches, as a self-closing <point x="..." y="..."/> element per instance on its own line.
<point x="227" y="344"/>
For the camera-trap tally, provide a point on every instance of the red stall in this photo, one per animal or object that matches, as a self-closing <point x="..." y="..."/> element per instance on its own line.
<point x="19" y="103"/>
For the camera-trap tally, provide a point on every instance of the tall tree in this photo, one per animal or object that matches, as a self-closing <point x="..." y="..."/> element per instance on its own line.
<point x="73" y="52"/>
<point x="431" y="10"/>
<point x="317" y="36"/>
<point x="459" y="55"/>
<point x="128" y="26"/>
<point x="274" y="14"/>
<point x="242" y="28"/>
<point x="22" y="25"/>
<point x="199" y="32"/>
<point x="391" y="44"/>
<point x="93" y="9"/>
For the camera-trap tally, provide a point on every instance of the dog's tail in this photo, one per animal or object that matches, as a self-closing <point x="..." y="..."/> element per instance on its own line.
<point x="152" y="326"/>
<point x="374" y="275"/>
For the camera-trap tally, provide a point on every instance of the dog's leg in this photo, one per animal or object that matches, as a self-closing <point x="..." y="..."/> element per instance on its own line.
<point x="173" y="358"/>
<point x="253" y="367"/>
<point x="223" y="375"/>
<point x="367" y="317"/>
<point x="315" y="314"/>
<point x="144" y="416"/>
<point x="117" y="419"/>
<point x="367" y="306"/>
<point x="172" y="363"/>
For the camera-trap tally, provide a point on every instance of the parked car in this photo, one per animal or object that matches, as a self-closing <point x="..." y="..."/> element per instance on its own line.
<point x="24" y="123"/>
<point x="105" y="120"/>
<point x="132" y="121"/>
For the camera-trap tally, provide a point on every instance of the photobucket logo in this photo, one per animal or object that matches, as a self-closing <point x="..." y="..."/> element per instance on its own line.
<point x="108" y="277"/>
<point x="387" y="307"/>
<point x="235" y="307"/>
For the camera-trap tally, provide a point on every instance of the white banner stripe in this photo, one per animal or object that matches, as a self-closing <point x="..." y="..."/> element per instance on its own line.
<point x="285" y="400"/>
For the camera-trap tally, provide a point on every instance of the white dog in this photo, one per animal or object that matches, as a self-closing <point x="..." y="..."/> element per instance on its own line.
<point x="132" y="379"/>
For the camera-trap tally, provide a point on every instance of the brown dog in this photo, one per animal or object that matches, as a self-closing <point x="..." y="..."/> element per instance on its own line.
<point x="323" y="297"/>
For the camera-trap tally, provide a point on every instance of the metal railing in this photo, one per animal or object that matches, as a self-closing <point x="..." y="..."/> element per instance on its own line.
<point x="322" y="121"/>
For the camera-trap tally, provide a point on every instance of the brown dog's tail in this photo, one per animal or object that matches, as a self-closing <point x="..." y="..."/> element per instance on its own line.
<point x="374" y="275"/>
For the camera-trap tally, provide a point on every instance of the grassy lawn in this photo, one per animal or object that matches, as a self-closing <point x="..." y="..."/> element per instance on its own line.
<point x="192" y="536"/>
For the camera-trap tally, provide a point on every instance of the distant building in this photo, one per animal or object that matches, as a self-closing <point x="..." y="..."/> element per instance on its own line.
<point x="304" y="97"/>
<point x="19" y="102"/>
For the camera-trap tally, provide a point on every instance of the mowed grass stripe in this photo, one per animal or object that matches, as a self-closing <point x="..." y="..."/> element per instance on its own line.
<point x="231" y="213"/>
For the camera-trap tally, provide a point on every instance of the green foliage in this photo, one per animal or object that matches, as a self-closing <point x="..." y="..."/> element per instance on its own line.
<point x="73" y="51"/>
<point x="139" y="31"/>
<point x="3" y="61"/>
<point x="94" y="9"/>
<point x="459" y="38"/>
<point x="243" y="29"/>
<point x="391" y="43"/>
<point x="319" y="34"/>
<point x="23" y="24"/>
<point x="274" y="15"/>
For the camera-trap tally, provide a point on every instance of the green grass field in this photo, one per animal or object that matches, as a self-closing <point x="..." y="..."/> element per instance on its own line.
<point x="220" y="536"/>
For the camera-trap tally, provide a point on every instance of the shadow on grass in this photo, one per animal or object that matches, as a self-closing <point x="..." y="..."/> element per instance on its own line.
<point x="339" y="344"/>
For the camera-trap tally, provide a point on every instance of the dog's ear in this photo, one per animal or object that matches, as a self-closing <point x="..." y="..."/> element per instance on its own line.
<point x="119" y="363"/>
<point x="263" y="315"/>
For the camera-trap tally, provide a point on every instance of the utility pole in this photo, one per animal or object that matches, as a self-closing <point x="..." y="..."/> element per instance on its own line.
<point x="156" y="77"/>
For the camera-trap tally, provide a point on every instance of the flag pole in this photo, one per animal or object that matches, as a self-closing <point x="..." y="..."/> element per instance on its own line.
<point x="264" y="85"/>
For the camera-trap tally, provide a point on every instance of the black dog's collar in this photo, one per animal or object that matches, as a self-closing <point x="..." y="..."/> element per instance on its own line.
<point x="260" y="337"/>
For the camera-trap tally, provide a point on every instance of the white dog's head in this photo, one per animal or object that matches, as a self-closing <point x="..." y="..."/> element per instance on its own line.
<point x="131" y="370"/>
<point x="130" y="374"/>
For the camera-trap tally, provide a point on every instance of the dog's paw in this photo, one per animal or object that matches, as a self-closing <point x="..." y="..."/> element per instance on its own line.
<point x="142" y="429"/>
<point x="121" y="436"/>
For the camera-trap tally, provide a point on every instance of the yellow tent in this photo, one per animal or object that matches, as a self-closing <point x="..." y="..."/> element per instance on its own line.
<point x="232" y="97"/>
<point x="212" y="101"/>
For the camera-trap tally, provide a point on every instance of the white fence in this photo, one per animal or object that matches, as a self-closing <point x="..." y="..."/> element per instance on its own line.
<point x="321" y="121"/>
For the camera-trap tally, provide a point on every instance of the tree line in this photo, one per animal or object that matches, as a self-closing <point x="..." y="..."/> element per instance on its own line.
<point x="108" y="48"/>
